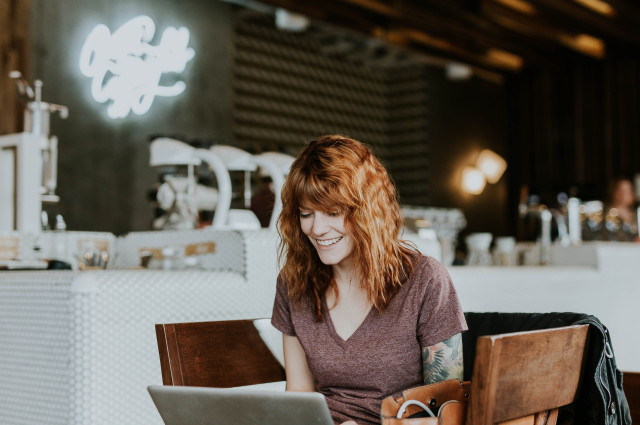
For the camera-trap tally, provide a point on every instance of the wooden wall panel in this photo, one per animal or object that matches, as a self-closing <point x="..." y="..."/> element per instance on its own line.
<point x="14" y="55"/>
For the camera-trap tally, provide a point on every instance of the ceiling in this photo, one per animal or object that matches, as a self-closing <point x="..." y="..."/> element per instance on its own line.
<point x="493" y="37"/>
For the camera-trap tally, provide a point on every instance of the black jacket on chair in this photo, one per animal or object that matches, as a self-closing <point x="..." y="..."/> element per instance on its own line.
<point x="601" y="400"/>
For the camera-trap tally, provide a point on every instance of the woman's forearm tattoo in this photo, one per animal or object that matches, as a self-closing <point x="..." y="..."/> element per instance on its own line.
<point x="443" y="361"/>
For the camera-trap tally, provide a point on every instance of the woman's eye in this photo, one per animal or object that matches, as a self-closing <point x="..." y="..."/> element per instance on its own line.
<point x="305" y="215"/>
<point x="334" y="214"/>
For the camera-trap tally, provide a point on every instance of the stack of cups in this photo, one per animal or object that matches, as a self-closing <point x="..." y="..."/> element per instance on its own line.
<point x="504" y="252"/>
<point x="478" y="247"/>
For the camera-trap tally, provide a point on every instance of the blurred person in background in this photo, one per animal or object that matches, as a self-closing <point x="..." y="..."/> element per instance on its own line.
<point x="263" y="200"/>
<point x="621" y="219"/>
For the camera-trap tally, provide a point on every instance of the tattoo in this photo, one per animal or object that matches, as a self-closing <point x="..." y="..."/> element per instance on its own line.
<point x="443" y="361"/>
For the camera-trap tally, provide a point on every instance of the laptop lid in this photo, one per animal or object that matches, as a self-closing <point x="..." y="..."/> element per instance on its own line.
<point x="209" y="406"/>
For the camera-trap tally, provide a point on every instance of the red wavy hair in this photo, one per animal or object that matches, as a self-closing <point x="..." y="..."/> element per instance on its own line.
<point x="336" y="173"/>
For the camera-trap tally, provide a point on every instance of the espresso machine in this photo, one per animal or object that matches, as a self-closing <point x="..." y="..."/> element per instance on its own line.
<point x="178" y="194"/>
<point x="181" y="197"/>
<point x="28" y="162"/>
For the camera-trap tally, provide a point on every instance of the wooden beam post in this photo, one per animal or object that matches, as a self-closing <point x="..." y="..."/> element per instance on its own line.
<point x="14" y="55"/>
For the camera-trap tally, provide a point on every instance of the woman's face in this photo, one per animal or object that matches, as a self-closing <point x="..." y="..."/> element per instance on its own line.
<point x="623" y="196"/>
<point x="327" y="233"/>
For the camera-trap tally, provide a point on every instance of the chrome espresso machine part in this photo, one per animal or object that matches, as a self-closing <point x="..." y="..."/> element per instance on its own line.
<point x="28" y="162"/>
<point x="37" y="121"/>
<point x="176" y="195"/>
<point x="181" y="198"/>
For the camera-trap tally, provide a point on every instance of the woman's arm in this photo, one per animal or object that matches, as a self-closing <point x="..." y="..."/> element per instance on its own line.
<point x="299" y="377"/>
<point x="442" y="361"/>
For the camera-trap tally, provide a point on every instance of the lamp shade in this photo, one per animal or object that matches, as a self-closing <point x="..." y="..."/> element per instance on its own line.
<point x="473" y="180"/>
<point x="492" y="165"/>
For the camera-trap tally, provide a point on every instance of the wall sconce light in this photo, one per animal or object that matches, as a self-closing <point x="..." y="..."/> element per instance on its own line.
<point x="489" y="168"/>
<point x="492" y="165"/>
<point x="473" y="180"/>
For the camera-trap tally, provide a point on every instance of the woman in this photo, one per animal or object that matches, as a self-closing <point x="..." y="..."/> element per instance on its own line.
<point x="621" y="220"/>
<point x="363" y="315"/>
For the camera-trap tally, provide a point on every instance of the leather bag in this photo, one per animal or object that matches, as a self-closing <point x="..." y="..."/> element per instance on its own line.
<point x="451" y="397"/>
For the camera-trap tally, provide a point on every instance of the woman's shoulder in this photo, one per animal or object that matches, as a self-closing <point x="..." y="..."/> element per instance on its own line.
<point x="428" y="267"/>
<point x="429" y="275"/>
<point x="283" y="292"/>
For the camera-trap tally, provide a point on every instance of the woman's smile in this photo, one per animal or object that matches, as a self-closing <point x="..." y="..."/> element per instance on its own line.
<point x="327" y="244"/>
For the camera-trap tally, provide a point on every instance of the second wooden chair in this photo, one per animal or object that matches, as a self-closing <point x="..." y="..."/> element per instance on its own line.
<point x="215" y="354"/>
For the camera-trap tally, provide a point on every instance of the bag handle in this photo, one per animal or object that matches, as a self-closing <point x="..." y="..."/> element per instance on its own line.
<point x="415" y="402"/>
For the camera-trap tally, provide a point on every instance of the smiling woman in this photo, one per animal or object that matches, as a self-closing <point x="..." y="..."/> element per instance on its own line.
<point x="340" y="177"/>
<point x="364" y="316"/>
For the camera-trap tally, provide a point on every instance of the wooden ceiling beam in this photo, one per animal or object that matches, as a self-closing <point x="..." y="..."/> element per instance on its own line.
<point x="531" y="25"/>
<point x="526" y="27"/>
<point x="589" y="21"/>
<point x="412" y="38"/>
<point x="425" y="49"/>
<point x="377" y="7"/>
<point x="443" y="19"/>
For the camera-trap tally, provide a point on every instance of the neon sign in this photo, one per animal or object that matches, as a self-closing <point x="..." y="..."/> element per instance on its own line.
<point x="126" y="69"/>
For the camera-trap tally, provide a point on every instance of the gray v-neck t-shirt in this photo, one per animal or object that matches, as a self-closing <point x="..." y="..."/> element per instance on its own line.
<point x="383" y="356"/>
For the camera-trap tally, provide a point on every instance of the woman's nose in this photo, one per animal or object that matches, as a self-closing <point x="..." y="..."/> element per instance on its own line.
<point x="320" y="225"/>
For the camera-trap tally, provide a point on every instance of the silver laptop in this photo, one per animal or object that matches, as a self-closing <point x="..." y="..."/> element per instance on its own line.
<point x="211" y="406"/>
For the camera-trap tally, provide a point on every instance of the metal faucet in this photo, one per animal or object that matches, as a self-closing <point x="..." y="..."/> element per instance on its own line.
<point x="563" y="230"/>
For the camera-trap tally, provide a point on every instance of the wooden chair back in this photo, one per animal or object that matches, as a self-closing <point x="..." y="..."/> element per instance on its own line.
<point x="631" y="386"/>
<point x="520" y="374"/>
<point x="215" y="354"/>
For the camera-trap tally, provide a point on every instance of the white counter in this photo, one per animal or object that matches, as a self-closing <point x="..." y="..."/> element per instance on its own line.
<point x="610" y="290"/>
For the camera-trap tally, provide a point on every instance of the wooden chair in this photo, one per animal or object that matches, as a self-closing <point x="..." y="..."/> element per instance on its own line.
<point x="215" y="354"/>
<point x="523" y="378"/>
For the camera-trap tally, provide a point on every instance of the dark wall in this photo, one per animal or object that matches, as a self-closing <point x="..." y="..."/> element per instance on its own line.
<point x="103" y="163"/>
<point x="465" y="118"/>
<point x="575" y="126"/>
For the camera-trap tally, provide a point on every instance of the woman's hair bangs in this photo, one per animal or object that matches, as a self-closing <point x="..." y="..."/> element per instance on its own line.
<point x="313" y="192"/>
